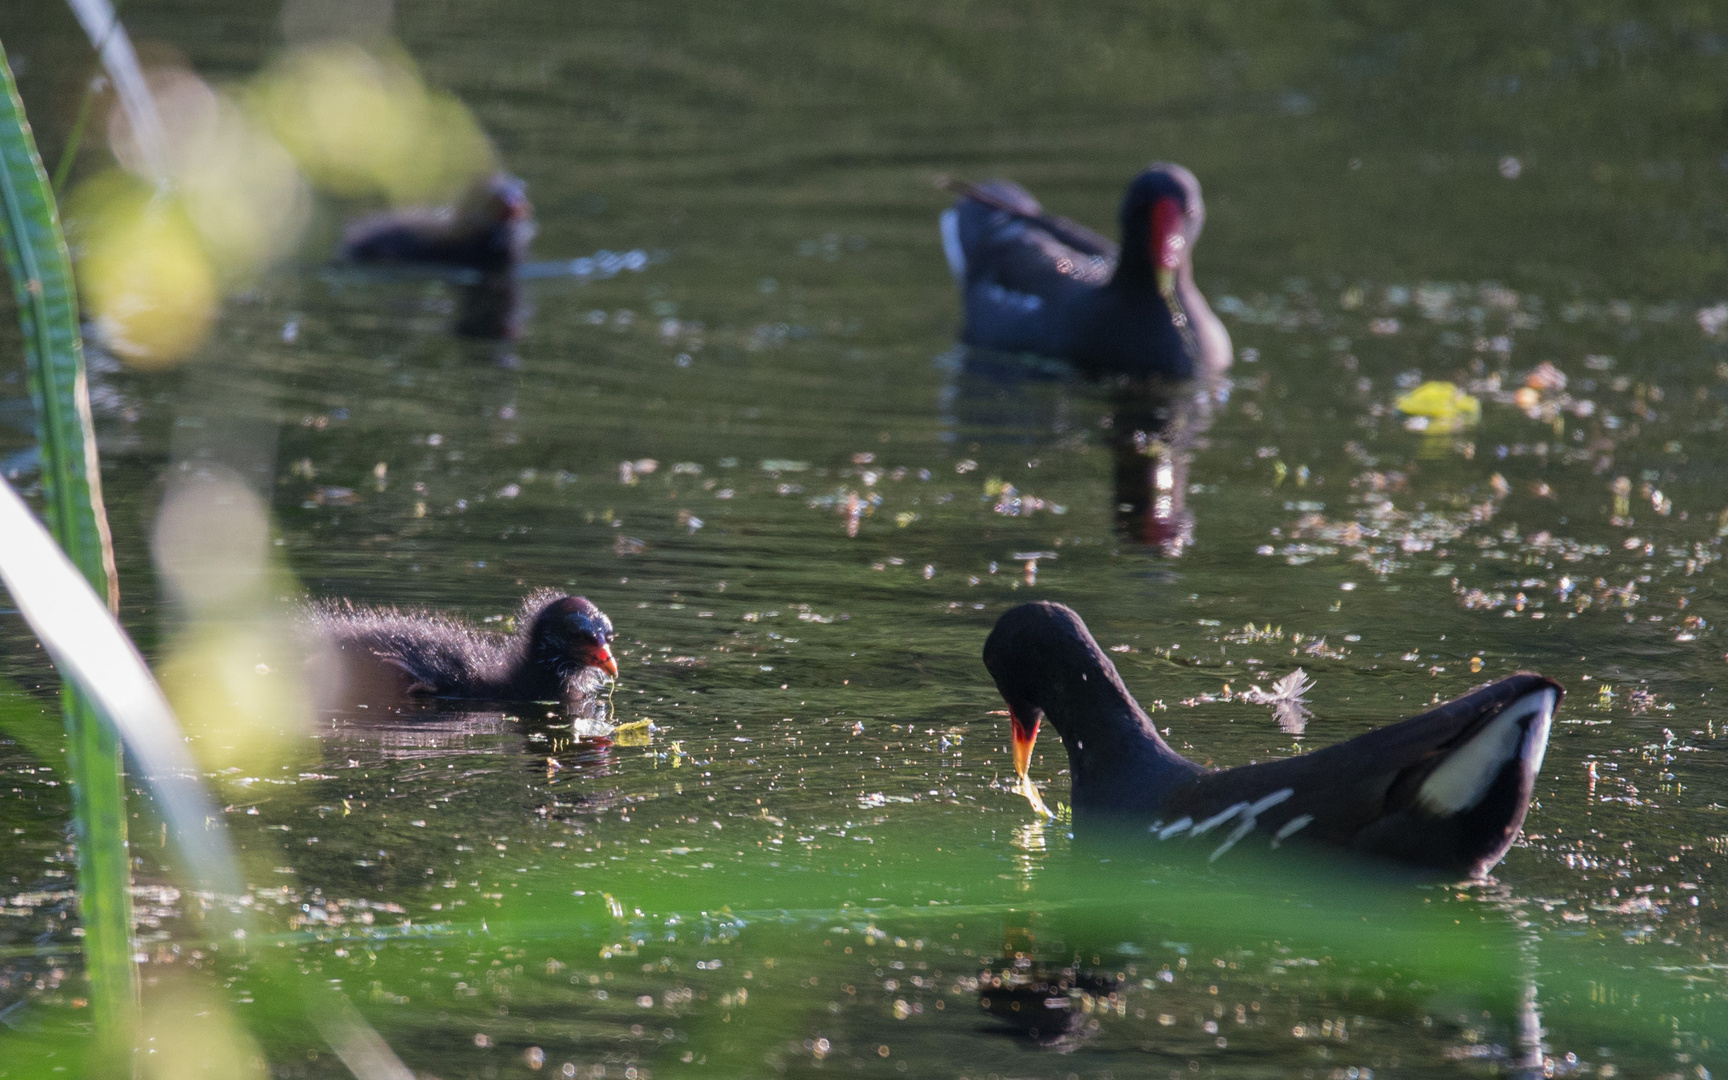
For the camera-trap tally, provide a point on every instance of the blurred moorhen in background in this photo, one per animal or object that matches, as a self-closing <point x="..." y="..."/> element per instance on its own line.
<point x="485" y="234"/>
<point x="1032" y="282"/>
<point x="383" y="654"/>
<point x="487" y="230"/>
<point x="1445" y="791"/>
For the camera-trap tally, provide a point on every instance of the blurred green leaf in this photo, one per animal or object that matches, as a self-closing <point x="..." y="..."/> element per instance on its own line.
<point x="41" y="271"/>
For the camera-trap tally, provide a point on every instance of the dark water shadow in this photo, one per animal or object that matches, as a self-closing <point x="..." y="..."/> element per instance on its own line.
<point x="494" y="305"/>
<point x="566" y="751"/>
<point x="1063" y="968"/>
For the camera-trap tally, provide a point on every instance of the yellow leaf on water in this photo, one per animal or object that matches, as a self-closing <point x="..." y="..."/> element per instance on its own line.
<point x="1443" y="405"/>
<point x="634" y="733"/>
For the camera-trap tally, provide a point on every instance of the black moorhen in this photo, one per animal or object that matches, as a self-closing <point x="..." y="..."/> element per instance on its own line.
<point x="1032" y="282"/>
<point x="487" y="230"/>
<point x="383" y="653"/>
<point x="1445" y="791"/>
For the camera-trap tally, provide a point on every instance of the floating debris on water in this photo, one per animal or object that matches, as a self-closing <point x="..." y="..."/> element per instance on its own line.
<point x="1439" y="408"/>
<point x="1289" y="706"/>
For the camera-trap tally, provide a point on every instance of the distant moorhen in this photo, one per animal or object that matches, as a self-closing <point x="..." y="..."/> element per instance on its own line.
<point x="488" y="230"/>
<point x="1032" y="282"/>
<point x="1445" y="791"/>
<point x="386" y="654"/>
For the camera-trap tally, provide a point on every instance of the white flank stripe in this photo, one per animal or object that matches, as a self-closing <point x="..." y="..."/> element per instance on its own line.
<point x="1291" y="828"/>
<point x="1250" y="818"/>
<point x="1218" y="819"/>
<point x="1270" y="801"/>
<point x="1230" y="841"/>
<point x="951" y="248"/>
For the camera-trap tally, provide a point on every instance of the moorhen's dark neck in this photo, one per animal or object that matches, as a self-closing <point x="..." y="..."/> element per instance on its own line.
<point x="1116" y="759"/>
<point x="1047" y="664"/>
<point x="1134" y="264"/>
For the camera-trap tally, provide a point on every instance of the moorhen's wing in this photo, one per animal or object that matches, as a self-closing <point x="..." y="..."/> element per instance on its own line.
<point x="1018" y="203"/>
<point x="1019" y="278"/>
<point x="1447" y="789"/>
<point x="997" y="233"/>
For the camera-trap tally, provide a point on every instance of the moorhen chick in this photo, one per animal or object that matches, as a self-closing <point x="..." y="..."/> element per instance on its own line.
<point x="1445" y="791"/>
<point x="386" y="654"/>
<point x="1032" y="282"/>
<point x="487" y="230"/>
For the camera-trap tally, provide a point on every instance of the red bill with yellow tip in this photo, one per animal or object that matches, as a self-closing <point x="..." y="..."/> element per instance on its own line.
<point x="1024" y="735"/>
<point x="1167" y="241"/>
<point x="600" y="656"/>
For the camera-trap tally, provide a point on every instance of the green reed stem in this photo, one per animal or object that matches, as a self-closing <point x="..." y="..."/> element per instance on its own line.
<point x="41" y="271"/>
<point x="75" y="138"/>
<point x="86" y="106"/>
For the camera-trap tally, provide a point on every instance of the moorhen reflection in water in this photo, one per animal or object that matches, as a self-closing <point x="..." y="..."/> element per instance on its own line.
<point x="484" y="236"/>
<point x="1048" y="1004"/>
<point x="560" y="651"/>
<point x="1155" y="427"/>
<point x="1445" y="791"/>
<point x="1036" y="283"/>
<point x="1151" y="430"/>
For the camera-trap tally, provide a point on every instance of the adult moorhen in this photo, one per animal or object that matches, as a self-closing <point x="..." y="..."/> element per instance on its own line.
<point x="1445" y="791"/>
<point x="487" y="230"/>
<point x="1032" y="282"/>
<point x="386" y="654"/>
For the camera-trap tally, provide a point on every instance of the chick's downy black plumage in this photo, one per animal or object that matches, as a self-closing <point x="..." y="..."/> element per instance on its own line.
<point x="383" y="653"/>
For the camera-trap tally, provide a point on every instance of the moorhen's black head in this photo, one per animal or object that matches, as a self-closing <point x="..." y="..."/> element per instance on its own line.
<point x="496" y="200"/>
<point x="1162" y="214"/>
<point x="570" y="634"/>
<point x="1046" y="663"/>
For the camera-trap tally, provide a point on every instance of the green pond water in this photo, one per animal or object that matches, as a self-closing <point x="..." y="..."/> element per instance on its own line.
<point x="817" y="862"/>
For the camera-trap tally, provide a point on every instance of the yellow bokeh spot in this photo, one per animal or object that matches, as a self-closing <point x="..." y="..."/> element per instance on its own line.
<point x="188" y="1032"/>
<point x="238" y="693"/>
<point x="143" y="272"/>
<point x="361" y="124"/>
<point x="1445" y="406"/>
<point x="238" y="186"/>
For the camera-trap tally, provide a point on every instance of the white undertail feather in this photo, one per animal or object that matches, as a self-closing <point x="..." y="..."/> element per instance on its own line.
<point x="1519" y="733"/>
<point x="951" y="248"/>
